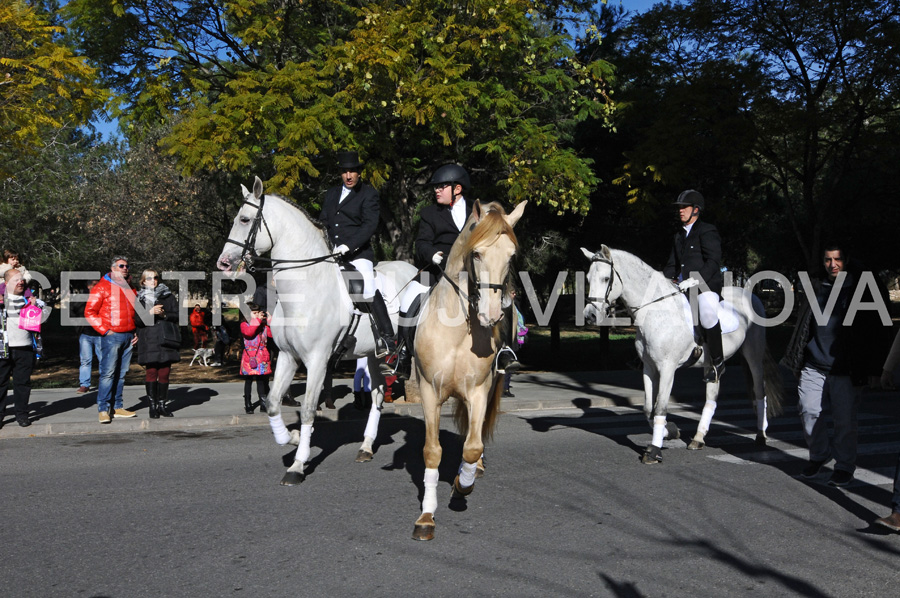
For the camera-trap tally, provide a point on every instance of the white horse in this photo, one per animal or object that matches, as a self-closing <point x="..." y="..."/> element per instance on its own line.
<point x="665" y="341"/>
<point x="314" y="313"/>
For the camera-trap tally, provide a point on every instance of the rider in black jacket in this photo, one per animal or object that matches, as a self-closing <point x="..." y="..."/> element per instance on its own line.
<point x="697" y="253"/>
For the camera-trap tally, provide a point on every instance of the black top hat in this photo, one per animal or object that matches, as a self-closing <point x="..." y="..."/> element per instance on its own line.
<point x="347" y="160"/>
<point x="690" y="198"/>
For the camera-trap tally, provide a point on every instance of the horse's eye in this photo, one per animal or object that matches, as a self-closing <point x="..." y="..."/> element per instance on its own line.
<point x="244" y="220"/>
<point x="604" y="279"/>
<point x="476" y="256"/>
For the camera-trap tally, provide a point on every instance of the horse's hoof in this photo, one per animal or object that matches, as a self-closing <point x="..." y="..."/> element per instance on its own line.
<point x="696" y="445"/>
<point x="761" y="439"/>
<point x="424" y="529"/>
<point x="479" y="472"/>
<point x="329" y="404"/>
<point x="292" y="478"/>
<point x="295" y="438"/>
<point x="672" y="432"/>
<point x="363" y="456"/>
<point x="652" y="455"/>
<point x="460" y="492"/>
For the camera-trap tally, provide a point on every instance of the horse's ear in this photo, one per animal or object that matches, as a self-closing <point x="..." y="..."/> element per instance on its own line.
<point x="588" y="254"/>
<point x="604" y="251"/>
<point x="477" y="211"/>
<point x="244" y="191"/>
<point x="257" y="188"/>
<point x="517" y="213"/>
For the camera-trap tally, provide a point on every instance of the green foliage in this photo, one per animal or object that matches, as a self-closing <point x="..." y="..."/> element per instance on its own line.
<point x="44" y="86"/>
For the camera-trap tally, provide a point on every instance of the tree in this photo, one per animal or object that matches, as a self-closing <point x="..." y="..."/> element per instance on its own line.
<point x="767" y="106"/>
<point x="276" y="87"/>
<point x="44" y="86"/>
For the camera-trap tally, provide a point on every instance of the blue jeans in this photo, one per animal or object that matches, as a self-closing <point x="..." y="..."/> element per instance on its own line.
<point x="88" y="346"/>
<point x="115" y="359"/>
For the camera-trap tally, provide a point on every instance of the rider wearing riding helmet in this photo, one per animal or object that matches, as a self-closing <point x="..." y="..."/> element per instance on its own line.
<point x="439" y="226"/>
<point x="350" y="213"/>
<point x="697" y="253"/>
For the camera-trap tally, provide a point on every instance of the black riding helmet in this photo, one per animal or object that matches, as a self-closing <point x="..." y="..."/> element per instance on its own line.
<point x="451" y="173"/>
<point x="689" y="198"/>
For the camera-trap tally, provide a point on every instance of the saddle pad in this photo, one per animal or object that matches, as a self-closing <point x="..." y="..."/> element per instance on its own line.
<point x="728" y="318"/>
<point x="389" y="289"/>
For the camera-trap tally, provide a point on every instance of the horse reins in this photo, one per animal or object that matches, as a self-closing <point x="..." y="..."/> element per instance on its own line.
<point x="248" y="247"/>
<point x="599" y="258"/>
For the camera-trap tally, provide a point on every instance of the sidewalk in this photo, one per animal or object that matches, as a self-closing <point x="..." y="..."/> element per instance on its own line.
<point x="56" y="412"/>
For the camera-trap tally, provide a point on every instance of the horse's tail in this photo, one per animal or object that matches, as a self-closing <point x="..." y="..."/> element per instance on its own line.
<point x="461" y="412"/>
<point x="773" y="386"/>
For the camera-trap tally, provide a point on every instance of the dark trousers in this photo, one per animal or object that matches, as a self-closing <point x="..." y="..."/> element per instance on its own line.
<point x="895" y="501"/>
<point x="262" y="386"/>
<point x="19" y="366"/>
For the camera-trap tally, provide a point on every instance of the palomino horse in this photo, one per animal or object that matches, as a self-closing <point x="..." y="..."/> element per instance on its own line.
<point x="312" y="317"/>
<point x="665" y="340"/>
<point x="458" y="336"/>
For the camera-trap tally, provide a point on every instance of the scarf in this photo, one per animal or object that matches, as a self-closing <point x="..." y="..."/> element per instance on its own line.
<point x="149" y="296"/>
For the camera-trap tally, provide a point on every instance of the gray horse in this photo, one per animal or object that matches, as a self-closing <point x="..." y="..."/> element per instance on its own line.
<point x="665" y="341"/>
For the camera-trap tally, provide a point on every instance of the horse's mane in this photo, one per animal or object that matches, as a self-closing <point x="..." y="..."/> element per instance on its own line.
<point x="492" y="225"/>
<point x="632" y="261"/>
<point x="318" y="224"/>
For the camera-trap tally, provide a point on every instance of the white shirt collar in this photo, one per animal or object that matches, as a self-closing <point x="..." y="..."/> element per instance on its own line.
<point x="687" y="228"/>
<point x="458" y="211"/>
<point x="345" y="191"/>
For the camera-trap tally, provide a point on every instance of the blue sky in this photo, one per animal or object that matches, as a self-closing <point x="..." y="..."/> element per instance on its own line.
<point x="109" y="129"/>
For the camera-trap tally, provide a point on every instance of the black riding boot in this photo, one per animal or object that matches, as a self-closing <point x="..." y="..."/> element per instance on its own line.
<point x="151" y="388"/>
<point x="385" y="341"/>
<point x="507" y="362"/>
<point x="161" y="397"/>
<point x="716" y="356"/>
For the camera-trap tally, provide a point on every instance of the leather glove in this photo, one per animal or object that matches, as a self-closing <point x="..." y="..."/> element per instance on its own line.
<point x="688" y="283"/>
<point x="437" y="258"/>
<point x="341" y="249"/>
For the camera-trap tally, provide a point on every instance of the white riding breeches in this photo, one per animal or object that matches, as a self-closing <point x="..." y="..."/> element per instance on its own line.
<point x="708" y="306"/>
<point x="367" y="269"/>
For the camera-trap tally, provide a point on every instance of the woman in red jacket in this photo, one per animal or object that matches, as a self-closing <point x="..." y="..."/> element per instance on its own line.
<point x="198" y="327"/>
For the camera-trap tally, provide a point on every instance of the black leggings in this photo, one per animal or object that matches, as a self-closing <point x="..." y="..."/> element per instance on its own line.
<point x="262" y="386"/>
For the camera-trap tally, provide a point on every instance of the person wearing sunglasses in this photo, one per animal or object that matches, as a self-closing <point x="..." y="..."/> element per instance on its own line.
<point x="110" y="311"/>
<point x="159" y="339"/>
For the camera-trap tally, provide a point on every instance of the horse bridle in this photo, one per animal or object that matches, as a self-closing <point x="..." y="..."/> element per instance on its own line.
<point x="609" y="308"/>
<point x="248" y="247"/>
<point x="472" y="298"/>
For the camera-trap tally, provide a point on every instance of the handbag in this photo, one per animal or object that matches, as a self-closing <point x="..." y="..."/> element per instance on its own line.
<point x="171" y="335"/>
<point x="30" y="318"/>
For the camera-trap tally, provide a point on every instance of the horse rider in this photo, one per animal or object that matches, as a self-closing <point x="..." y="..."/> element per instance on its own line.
<point x="439" y="226"/>
<point x="350" y="214"/>
<point x="697" y="253"/>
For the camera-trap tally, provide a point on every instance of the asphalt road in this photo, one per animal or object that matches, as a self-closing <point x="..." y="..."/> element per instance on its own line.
<point x="565" y="509"/>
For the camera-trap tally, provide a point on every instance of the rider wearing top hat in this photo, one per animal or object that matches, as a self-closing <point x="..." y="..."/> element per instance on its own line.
<point x="439" y="226"/>
<point x="350" y="213"/>
<point x="697" y="253"/>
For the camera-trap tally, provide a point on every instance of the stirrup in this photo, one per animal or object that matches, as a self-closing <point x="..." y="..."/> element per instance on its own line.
<point x="512" y="366"/>
<point x="714" y="373"/>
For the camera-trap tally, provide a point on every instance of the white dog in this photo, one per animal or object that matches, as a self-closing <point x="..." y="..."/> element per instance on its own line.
<point x="203" y="355"/>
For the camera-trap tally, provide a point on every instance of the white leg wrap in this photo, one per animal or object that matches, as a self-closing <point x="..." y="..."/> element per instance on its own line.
<point x="709" y="408"/>
<point x="429" y="501"/>
<point x="303" y="448"/>
<point x="372" y="424"/>
<point x="762" y="422"/>
<point x="659" y="430"/>
<point x="282" y="436"/>
<point x="466" y="474"/>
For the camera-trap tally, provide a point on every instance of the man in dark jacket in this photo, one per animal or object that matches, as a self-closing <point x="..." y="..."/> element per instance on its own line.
<point x="439" y="226"/>
<point x="697" y="253"/>
<point x="350" y="214"/>
<point x="833" y="356"/>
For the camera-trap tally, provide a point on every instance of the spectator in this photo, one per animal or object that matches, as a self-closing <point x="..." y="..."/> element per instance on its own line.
<point x="833" y="360"/>
<point x="11" y="262"/>
<point x="159" y="340"/>
<point x="222" y="341"/>
<point x="199" y="327"/>
<point x="88" y="346"/>
<point x="892" y="521"/>
<point x="362" y="385"/>
<point x="110" y="311"/>
<point x="17" y="354"/>
<point x="256" y="361"/>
